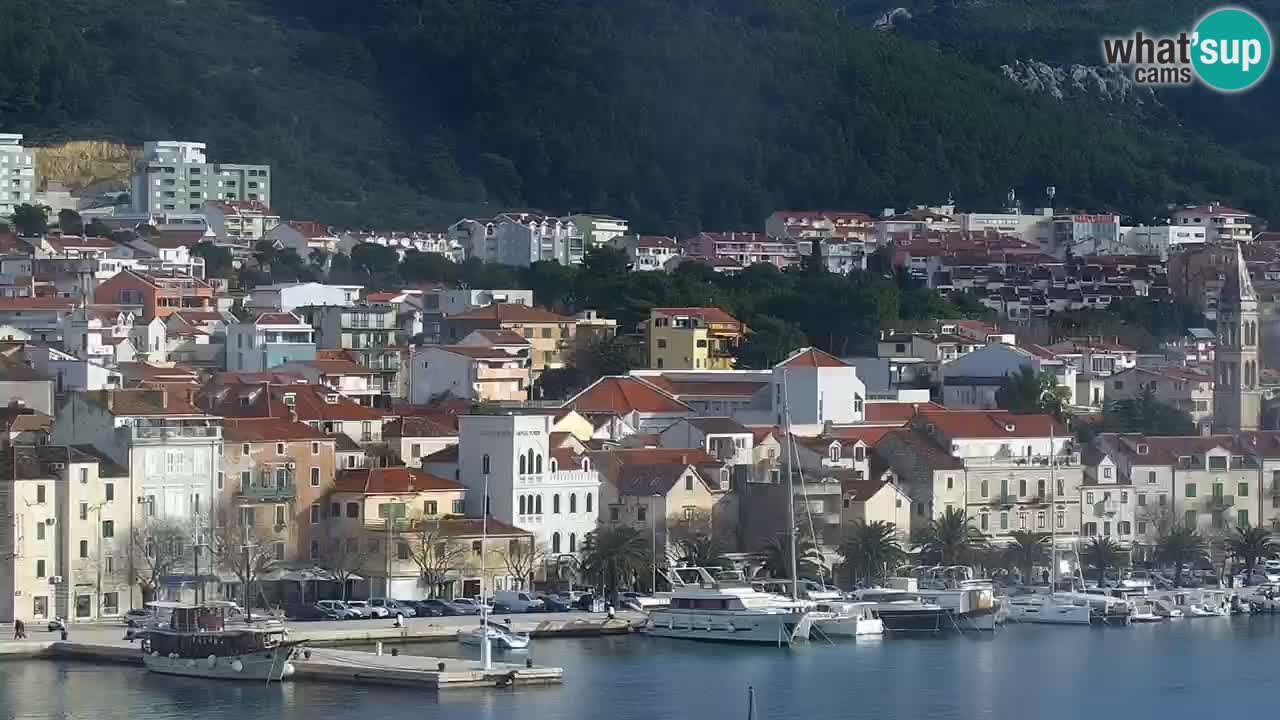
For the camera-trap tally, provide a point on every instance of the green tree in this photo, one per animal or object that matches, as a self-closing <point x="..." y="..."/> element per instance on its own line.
<point x="1026" y="550"/>
<point x="374" y="259"/>
<point x="267" y="255"/>
<point x="949" y="538"/>
<point x="1249" y="544"/>
<point x="217" y="260"/>
<point x="428" y="267"/>
<point x="776" y="554"/>
<point x="69" y="222"/>
<point x="1181" y="545"/>
<point x="614" y="557"/>
<point x="768" y="343"/>
<point x="97" y="228"/>
<point x="30" y="220"/>
<point x="702" y="551"/>
<point x="870" y="549"/>
<point x="1027" y="391"/>
<point x="1103" y="553"/>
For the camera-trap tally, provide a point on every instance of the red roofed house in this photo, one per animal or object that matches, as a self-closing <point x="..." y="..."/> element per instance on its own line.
<point x="304" y="237"/>
<point x="316" y="405"/>
<point x="40" y="317"/>
<point x="745" y="248"/>
<point x="1222" y="224"/>
<point x="335" y="370"/>
<point x="550" y="336"/>
<point x="640" y="404"/>
<point x="239" y="221"/>
<point x="155" y="295"/>
<point x="269" y="340"/>
<point x="275" y="476"/>
<point x="692" y="338"/>
<point x="816" y="388"/>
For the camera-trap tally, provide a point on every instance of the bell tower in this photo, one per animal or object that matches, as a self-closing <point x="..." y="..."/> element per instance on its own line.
<point x="1237" y="392"/>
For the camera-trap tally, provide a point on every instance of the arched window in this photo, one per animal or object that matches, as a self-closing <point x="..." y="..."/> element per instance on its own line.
<point x="554" y="465"/>
<point x="522" y="465"/>
<point x="555" y="503"/>
<point x="586" y="463"/>
<point x="530" y="456"/>
<point x="522" y="512"/>
<point x="555" y="542"/>
<point x="537" y="504"/>
<point x="485" y="464"/>
<point x="573" y="542"/>
<point x="538" y="468"/>
<point x="588" y="502"/>
<point x="834" y="451"/>
<point x="573" y="503"/>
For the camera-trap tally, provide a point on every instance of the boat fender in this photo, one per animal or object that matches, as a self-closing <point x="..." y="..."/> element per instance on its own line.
<point x="237" y="665"/>
<point x="730" y="627"/>
<point x="211" y="660"/>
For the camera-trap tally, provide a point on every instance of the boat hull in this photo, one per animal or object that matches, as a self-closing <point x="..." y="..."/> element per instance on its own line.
<point x="497" y="639"/>
<point x="848" y="627"/>
<point x="1051" y="614"/>
<point x="916" y="620"/>
<point x="261" y="666"/>
<point x="762" y="628"/>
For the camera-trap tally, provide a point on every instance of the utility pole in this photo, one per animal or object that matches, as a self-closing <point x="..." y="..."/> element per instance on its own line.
<point x="386" y="583"/>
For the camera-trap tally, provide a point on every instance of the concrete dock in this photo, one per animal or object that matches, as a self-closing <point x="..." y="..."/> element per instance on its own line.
<point x="435" y="673"/>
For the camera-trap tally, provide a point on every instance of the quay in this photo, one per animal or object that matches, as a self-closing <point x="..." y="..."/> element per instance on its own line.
<point x="320" y="660"/>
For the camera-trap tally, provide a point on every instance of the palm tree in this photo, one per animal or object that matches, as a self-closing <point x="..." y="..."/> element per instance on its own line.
<point x="1103" y="553"/>
<point x="1027" y="391"/>
<point x="777" y="557"/>
<point x="1181" y="545"/>
<point x="701" y="551"/>
<point x="870" y="548"/>
<point x="950" y="537"/>
<point x="1027" y="549"/>
<point x="1249" y="544"/>
<point x="613" y="557"/>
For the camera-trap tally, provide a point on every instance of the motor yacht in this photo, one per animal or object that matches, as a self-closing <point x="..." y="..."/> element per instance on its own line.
<point x="726" y="608"/>
<point x="840" y="619"/>
<point x="500" y="636"/>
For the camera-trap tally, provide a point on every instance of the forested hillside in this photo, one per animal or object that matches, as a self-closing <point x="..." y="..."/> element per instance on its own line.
<point x="679" y="114"/>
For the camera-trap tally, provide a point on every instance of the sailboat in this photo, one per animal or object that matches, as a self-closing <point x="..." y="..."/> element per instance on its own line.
<point x="1051" y="610"/>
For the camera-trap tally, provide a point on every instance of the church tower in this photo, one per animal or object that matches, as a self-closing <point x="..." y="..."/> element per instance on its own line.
<point x="1237" y="394"/>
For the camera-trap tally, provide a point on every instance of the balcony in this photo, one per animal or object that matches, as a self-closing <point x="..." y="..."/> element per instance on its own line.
<point x="1060" y="460"/>
<point x="164" y="432"/>
<point x="1006" y="500"/>
<point x="269" y="493"/>
<point x="1106" y="507"/>
<point x="1219" y="503"/>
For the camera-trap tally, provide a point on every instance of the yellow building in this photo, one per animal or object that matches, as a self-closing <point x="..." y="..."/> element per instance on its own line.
<point x="692" y="338"/>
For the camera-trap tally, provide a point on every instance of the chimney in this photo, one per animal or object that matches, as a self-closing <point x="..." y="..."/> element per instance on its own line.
<point x="1206" y="431"/>
<point x="915" y="409"/>
<point x="684" y="459"/>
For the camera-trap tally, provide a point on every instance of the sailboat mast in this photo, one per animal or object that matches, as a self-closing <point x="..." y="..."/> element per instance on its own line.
<point x="1053" y="514"/>
<point x="791" y="492"/>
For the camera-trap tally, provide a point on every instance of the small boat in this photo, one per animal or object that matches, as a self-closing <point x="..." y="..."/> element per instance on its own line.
<point x="1049" y="610"/>
<point x="200" y="641"/>
<point x="845" y="619"/>
<point x="1145" y="612"/>
<point x="500" y="636"/>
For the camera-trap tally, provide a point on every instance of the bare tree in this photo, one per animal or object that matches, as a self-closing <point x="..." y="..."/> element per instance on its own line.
<point x="345" y="557"/>
<point x="434" y="553"/>
<point x="155" y="549"/>
<point x="237" y="550"/>
<point x="523" y="557"/>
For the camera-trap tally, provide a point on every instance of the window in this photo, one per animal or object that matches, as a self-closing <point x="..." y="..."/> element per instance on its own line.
<point x="110" y="603"/>
<point x="1217" y="462"/>
<point x="315" y="448"/>
<point x="983" y="488"/>
<point x="1061" y="488"/>
<point x="1022" y="521"/>
<point x="1106" y="472"/>
<point x="688" y="482"/>
<point x="429" y="508"/>
<point x="353" y="510"/>
<point x="1164" y="499"/>
<point x="457" y="507"/>
<point x="642" y="513"/>
<point x="555" y="542"/>
<point x="1142" y="499"/>
<point x="1151" y="477"/>
<point x="1189" y="518"/>
<point x="220" y="479"/>
<point x="402" y="551"/>
<point x="279" y="448"/>
<point x="834" y="452"/>
<point x="110" y="491"/>
<point x="1061" y="519"/>
<point x="84" y="511"/>
<point x="39" y="530"/>
<point x="108" y="528"/>
<point x="1040" y="485"/>
<point x="415" y="450"/>
<point x="244" y="449"/>
<point x="475" y="547"/>
<point x="39" y="568"/>
<point x="613" y="514"/>
<point x="1022" y="488"/>
<point x="84" y="548"/>
<point x="40" y="494"/>
<point x="1088" y="498"/>
<point x="1242" y="489"/>
<point x="1242" y="518"/>
<point x="315" y="477"/>
<point x="1040" y="520"/>
<point x="1191" y="490"/>
<point x="573" y="503"/>
<point x="589" y="501"/>
<point x="573" y="542"/>
<point x="983" y="521"/>
<point x="950" y="482"/>
<point x="246" y="480"/>
<point x="1124" y="498"/>
<point x="1004" y="521"/>
<point x="662" y="344"/>
<point x="1090" y="528"/>
<point x="315" y="514"/>
<point x="335" y="510"/>
<point x="1142" y="527"/>
<point x="523" y="505"/>
<point x="555" y="503"/>
<point x="282" y="477"/>
<point x="315" y="549"/>
<point x="484" y="462"/>
<point x="1106" y="528"/>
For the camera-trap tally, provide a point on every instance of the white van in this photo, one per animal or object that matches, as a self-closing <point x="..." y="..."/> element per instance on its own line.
<point x="518" y="601"/>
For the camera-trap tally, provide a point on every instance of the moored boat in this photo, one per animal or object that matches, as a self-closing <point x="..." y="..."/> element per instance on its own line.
<point x="726" y="608"/>
<point x="500" y="636"/>
<point x="199" y="641"/>
<point x="837" y="619"/>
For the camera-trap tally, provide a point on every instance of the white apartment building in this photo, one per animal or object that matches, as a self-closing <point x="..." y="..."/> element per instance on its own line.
<point x="176" y="176"/>
<point x="285" y="297"/>
<point x="17" y="173"/>
<point x="1161" y="240"/>
<point x="527" y="485"/>
<point x="815" y="388"/>
<point x="599" y="230"/>
<point x="520" y="239"/>
<point x="1220" y="222"/>
<point x="241" y="222"/>
<point x="269" y="340"/>
<point x="647" y="252"/>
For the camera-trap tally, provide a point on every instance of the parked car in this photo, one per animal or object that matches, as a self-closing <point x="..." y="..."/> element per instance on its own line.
<point x="589" y="603"/>
<point x="366" y="610"/>
<point x="556" y="603"/>
<point x="516" y="601"/>
<point x="138" y="617"/>
<point x="311" y="612"/>
<point x="422" y="609"/>
<point x="340" y="609"/>
<point x="470" y="605"/>
<point x="437" y="608"/>
<point x="393" y="607"/>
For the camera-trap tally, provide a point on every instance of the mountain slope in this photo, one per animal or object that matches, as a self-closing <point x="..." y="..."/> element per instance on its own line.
<point x="679" y="114"/>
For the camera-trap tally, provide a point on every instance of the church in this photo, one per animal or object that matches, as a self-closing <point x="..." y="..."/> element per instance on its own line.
<point x="1237" y="390"/>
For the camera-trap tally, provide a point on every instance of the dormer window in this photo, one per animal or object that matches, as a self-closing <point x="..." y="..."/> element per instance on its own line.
<point x="244" y="401"/>
<point x="290" y="399"/>
<point x="1143" y="449"/>
<point x="1237" y="461"/>
<point x="834" y="452"/>
<point x="331" y="398"/>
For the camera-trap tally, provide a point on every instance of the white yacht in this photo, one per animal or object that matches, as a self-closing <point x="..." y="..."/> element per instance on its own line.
<point x="200" y="641"/>
<point x="971" y="601"/>
<point x="905" y="610"/>
<point x="726" y="608"/>
<point x="839" y="619"/>
<point x="1050" y="610"/>
<point x="1145" y="611"/>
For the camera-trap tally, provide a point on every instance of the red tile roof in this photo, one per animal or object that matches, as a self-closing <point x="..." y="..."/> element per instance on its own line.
<point x="143" y="403"/>
<point x="704" y="388"/>
<point x="200" y="316"/>
<point x="37" y="303"/>
<point x="621" y="395"/>
<point x="76" y="241"/>
<point x="337" y="367"/>
<point x="708" y="314"/>
<point x="660" y="456"/>
<point x="268" y="430"/>
<point x="812" y="357"/>
<point x="271" y="318"/>
<point x="154" y="373"/>
<point x="1212" y="209"/>
<point x="391" y="481"/>
<point x="310" y="403"/>
<point x="480" y="352"/>
<point x="861" y="490"/>
<point x="501" y="337"/>
<point x="511" y="313"/>
<point x="994" y="424"/>
<point x="897" y="411"/>
<point x="311" y="229"/>
<point x="868" y="435"/>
